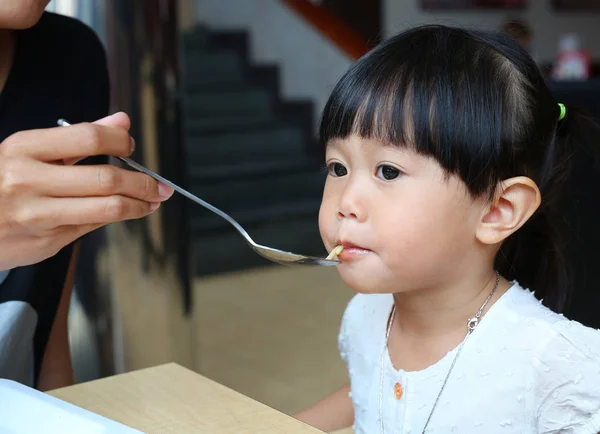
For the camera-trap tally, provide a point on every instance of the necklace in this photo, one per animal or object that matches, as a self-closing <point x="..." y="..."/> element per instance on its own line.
<point x="471" y="325"/>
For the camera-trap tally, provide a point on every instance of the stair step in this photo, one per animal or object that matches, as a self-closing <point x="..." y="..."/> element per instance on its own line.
<point x="246" y="154"/>
<point x="207" y="221"/>
<point x="202" y="39"/>
<point x="197" y="78"/>
<point x="227" y="251"/>
<point x="250" y="193"/>
<point x="272" y="143"/>
<point x="196" y="37"/>
<point x="207" y="80"/>
<point x="236" y="40"/>
<point x="213" y="67"/>
<point x="229" y="102"/>
<point x="252" y="169"/>
<point x="213" y="61"/>
<point x="201" y="124"/>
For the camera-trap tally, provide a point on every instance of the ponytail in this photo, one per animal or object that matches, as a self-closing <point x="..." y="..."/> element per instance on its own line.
<point x="537" y="255"/>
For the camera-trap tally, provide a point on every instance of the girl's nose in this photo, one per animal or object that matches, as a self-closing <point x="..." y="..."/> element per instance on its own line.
<point x="351" y="215"/>
<point x="351" y="204"/>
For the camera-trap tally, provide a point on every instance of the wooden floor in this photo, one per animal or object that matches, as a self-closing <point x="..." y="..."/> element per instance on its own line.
<point x="269" y="333"/>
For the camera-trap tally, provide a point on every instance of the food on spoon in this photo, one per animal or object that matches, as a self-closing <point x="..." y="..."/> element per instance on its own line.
<point x="335" y="252"/>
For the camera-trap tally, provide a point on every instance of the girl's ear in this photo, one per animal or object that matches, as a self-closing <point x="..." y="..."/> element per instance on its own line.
<point x="517" y="200"/>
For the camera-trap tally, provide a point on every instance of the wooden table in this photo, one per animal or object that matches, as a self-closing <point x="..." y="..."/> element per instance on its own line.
<point x="173" y="399"/>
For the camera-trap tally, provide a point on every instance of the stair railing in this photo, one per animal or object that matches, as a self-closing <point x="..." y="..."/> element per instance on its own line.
<point x="332" y="27"/>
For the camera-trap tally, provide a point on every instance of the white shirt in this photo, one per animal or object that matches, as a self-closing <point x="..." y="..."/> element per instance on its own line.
<point x="525" y="369"/>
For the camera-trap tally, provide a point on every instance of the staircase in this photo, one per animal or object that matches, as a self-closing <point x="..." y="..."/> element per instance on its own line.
<point x="249" y="153"/>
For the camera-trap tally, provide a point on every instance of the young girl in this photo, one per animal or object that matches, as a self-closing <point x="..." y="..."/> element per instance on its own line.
<point x="446" y="155"/>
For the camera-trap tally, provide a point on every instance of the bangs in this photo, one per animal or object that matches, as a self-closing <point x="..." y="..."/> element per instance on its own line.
<point x="429" y="91"/>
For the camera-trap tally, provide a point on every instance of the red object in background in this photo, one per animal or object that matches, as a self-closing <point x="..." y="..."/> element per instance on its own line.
<point x="333" y="27"/>
<point x="573" y="62"/>
<point x="573" y="65"/>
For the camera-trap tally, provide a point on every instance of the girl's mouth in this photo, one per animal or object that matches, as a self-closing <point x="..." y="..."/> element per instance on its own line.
<point x="347" y="251"/>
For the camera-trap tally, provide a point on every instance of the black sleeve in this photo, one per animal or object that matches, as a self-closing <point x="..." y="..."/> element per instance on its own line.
<point x="90" y="81"/>
<point x="95" y="83"/>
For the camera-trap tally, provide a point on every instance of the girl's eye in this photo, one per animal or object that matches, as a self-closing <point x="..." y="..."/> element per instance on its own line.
<point x="388" y="173"/>
<point x="337" y="170"/>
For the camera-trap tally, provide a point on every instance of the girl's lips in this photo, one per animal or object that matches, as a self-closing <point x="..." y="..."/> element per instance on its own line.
<point x="349" y="245"/>
<point x="352" y="251"/>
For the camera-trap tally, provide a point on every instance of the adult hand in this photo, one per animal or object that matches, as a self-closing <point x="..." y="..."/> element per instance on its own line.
<point x="47" y="203"/>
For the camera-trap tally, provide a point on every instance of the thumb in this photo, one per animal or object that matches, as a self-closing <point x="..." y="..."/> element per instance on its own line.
<point x="119" y="119"/>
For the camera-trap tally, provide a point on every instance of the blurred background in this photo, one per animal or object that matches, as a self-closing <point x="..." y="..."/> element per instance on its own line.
<point x="225" y="97"/>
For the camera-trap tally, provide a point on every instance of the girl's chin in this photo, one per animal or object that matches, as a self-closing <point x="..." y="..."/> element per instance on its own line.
<point x="360" y="281"/>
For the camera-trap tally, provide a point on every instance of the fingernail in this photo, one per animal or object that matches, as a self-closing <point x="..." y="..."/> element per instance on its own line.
<point x="132" y="144"/>
<point x="154" y="206"/>
<point x="164" y="191"/>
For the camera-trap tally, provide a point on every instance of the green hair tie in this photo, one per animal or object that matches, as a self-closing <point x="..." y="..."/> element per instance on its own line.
<point x="563" y="111"/>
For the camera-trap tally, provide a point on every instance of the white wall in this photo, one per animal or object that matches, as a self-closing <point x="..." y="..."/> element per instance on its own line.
<point x="310" y="65"/>
<point x="546" y="23"/>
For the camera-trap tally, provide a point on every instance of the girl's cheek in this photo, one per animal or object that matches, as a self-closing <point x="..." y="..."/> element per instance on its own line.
<point x="323" y="220"/>
<point x="326" y="221"/>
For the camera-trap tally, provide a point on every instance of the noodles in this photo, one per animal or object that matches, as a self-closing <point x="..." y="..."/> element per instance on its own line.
<point x="335" y="252"/>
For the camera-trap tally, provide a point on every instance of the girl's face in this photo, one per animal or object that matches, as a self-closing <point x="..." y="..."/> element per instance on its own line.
<point x="404" y="224"/>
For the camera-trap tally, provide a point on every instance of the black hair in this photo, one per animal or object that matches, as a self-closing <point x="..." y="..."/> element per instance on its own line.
<point x="477" y="103"/>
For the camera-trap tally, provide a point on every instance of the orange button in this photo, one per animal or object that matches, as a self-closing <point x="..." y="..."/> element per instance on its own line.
<point x="398" y="391"/>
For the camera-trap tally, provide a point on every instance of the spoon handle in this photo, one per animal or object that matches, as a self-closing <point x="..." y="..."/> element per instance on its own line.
<point x="178" y="189"/>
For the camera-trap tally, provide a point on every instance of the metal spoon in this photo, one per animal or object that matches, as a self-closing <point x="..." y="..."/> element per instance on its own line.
<point x="275" y="255"/>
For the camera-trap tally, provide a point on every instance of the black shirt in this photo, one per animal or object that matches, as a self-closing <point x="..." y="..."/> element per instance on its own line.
<point x="59" y="71"/>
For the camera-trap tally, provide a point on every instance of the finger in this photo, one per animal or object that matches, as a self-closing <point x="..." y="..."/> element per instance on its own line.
<point x="100" y="180"/>
<point x="104" y="210"/>
<point x="120" y="120"/>
<point x="66" y="143"/>
<point x="47" y="213"/>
